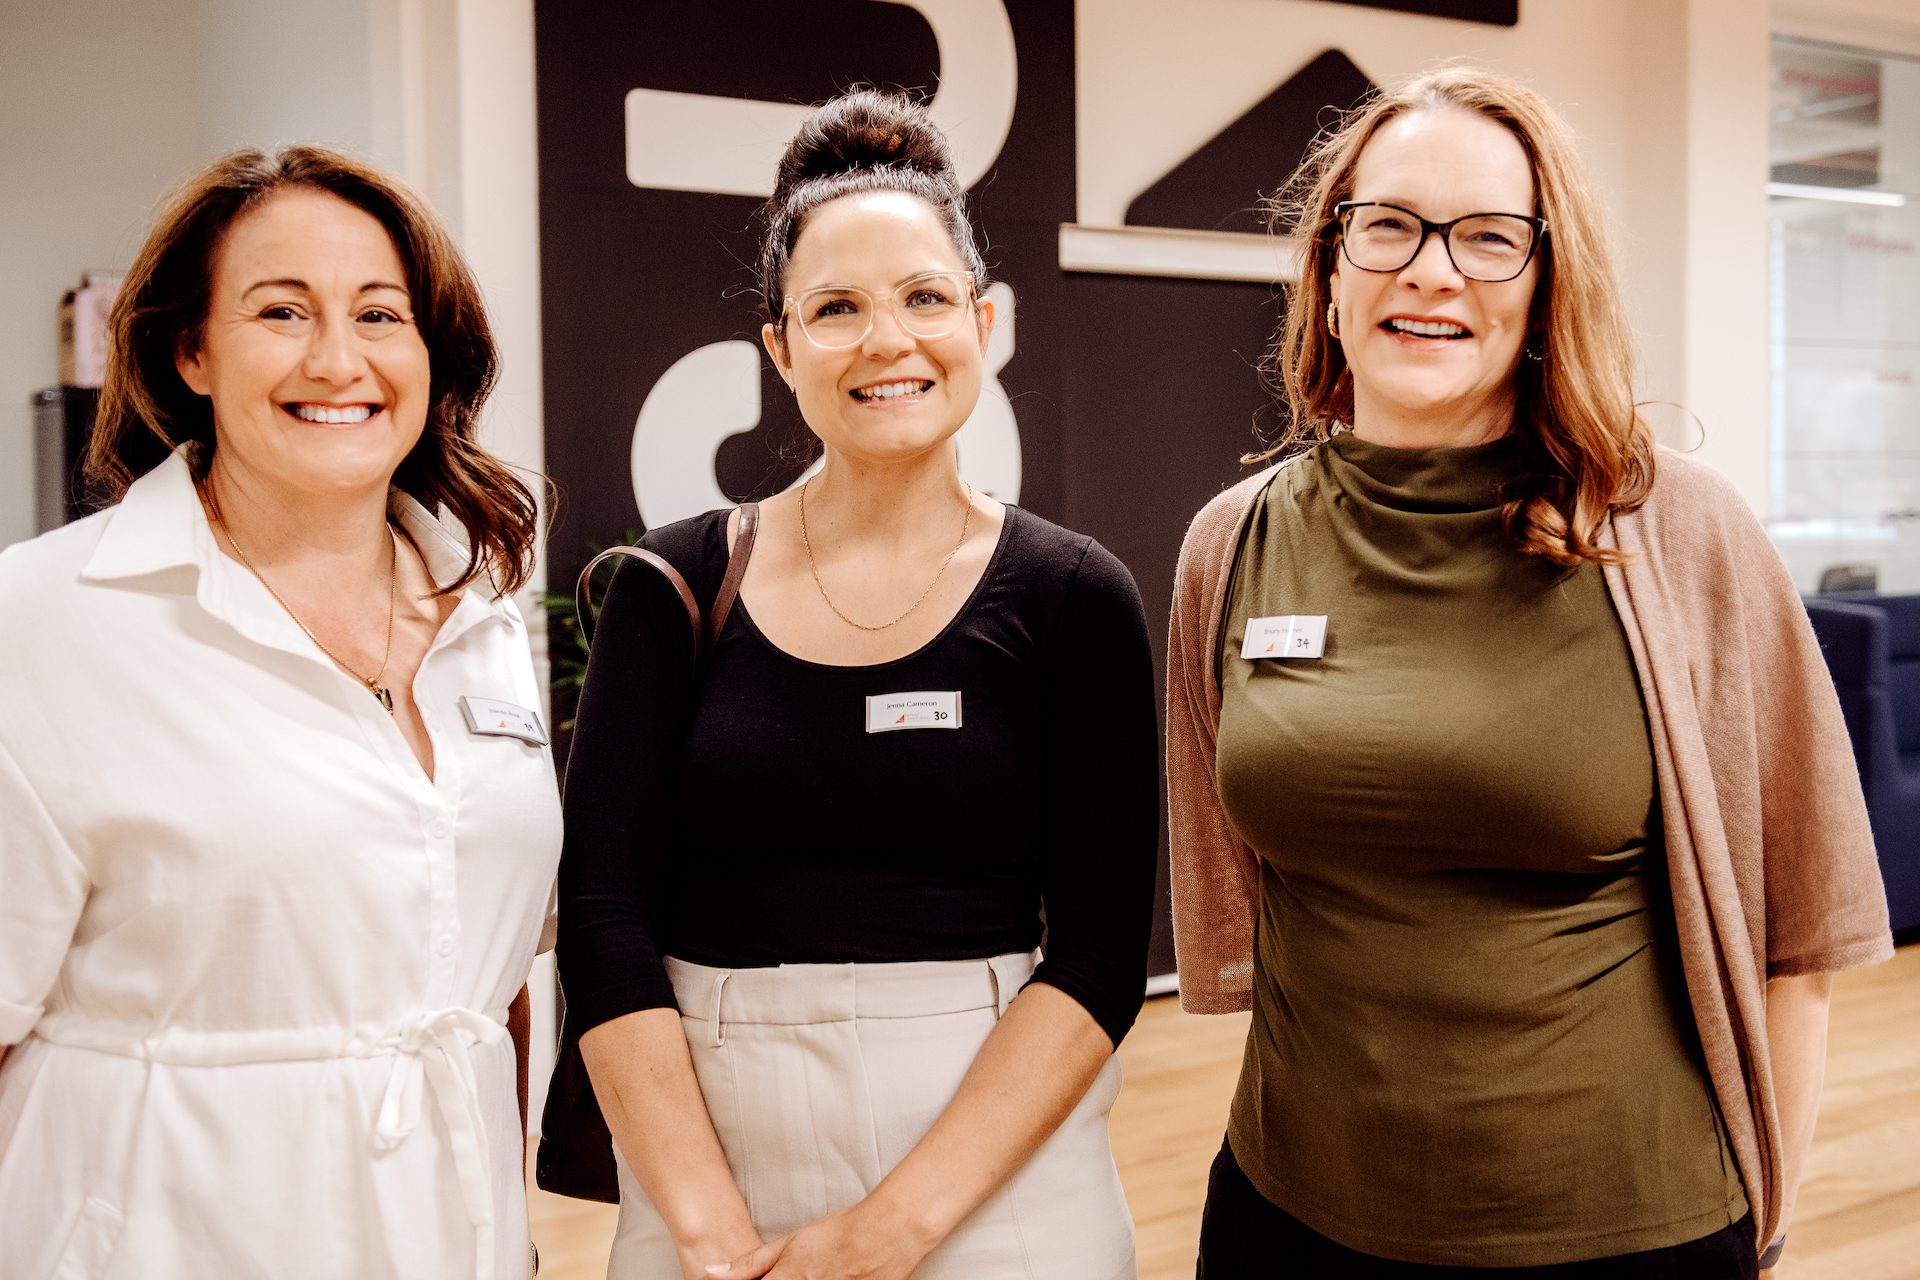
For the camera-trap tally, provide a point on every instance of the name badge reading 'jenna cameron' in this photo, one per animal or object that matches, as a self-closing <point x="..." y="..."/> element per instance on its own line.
<point x="924" y="710"/>
<point x="1293" y="635"/>
<point x="493" y="718"/>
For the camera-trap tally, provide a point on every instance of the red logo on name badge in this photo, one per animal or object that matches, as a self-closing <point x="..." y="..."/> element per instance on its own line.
<point x="503" y="724"/>
<point x="901" y="720"/>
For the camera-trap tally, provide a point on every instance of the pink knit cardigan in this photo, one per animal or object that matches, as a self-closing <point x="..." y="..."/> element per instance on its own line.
<point x="1772" y="863"/>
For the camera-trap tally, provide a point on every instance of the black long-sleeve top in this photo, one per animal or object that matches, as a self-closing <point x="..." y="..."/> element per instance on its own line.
<point x="737" y="813"/>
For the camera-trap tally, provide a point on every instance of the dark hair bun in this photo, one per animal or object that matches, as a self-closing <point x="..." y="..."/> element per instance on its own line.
<point x="860" y="142"/>
<point x="866" y="130"/>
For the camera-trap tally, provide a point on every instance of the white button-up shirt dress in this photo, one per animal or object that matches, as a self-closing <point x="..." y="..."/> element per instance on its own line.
<point x="254" y="964"/>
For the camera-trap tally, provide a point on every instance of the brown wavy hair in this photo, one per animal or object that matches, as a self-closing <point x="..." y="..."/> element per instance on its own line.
<point x="147" y="411"/>
<point x="1594" y="452"/>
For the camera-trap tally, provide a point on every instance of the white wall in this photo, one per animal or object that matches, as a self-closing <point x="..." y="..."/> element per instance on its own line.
<point x="108" y="106"/>
<point x="1887" y="26"/>
<point x="272" y="72"/>
<point x="93" y="136"/>
<point x="478" y="162"/>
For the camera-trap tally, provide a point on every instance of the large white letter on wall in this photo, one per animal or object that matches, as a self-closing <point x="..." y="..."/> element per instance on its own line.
<point x="703" y="397"/>
<point x="990" y="442"/>
<point x="731" y="146"/>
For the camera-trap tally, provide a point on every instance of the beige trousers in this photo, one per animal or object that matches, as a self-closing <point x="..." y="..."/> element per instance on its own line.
<point x="819" y="1078"/>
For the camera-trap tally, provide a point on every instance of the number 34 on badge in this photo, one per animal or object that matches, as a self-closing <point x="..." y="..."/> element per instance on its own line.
<point x="1293" y="635"/>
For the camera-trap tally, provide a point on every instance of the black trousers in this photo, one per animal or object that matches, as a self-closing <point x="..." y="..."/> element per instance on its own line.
<point x="1245" y="1236"/>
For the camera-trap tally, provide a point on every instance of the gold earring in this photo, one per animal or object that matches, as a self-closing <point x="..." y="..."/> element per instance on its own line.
<point x="1333" y="319"/>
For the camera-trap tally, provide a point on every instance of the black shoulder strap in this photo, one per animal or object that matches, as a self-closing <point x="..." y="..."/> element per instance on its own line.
<point x="722" y="604"/>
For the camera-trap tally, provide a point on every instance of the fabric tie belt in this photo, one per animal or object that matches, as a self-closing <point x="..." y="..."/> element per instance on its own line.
<point x="431" y="1052"/>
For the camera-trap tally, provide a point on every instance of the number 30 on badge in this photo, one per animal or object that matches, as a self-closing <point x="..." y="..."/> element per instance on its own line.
<point x="924" y="710"/>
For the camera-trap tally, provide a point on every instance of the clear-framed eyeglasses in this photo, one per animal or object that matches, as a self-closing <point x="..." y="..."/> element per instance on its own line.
<point x="932" y="305"/>
<point x="1489" y="247"/>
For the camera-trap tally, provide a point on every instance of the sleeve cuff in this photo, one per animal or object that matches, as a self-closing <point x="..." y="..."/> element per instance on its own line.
<point x="587" y="1012"/>
<point x="1113" y="1016"/>
<point x="1195" y="999"/>
<point x="1853" y="955"/>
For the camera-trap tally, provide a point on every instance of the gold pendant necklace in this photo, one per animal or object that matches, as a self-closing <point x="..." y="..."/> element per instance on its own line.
<point x="965" y="522"/>
<point x="380" y="692"/>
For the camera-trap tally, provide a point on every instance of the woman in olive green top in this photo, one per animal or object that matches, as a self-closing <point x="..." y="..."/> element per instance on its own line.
<point x="1473" y="1047"/>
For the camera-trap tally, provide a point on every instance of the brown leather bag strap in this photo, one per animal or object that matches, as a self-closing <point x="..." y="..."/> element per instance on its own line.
<point x="583" y="590"/>
<point x="736" y="569"/>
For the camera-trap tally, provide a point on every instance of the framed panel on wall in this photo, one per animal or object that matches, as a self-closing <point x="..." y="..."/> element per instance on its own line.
<point x="1844" y="203"/>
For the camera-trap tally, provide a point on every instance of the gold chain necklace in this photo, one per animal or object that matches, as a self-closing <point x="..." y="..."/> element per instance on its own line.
<point x="965" y="523"/>
<point x="380" y="692"/>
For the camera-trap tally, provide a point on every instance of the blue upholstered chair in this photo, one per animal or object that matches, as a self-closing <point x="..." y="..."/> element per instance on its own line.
<point x="1872" y="646"/>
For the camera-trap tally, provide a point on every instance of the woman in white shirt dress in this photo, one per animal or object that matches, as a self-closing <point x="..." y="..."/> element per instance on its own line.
<point x="277" y="816"/>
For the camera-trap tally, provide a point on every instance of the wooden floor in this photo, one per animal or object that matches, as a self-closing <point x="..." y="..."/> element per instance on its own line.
<point x="1859" y="1216"/>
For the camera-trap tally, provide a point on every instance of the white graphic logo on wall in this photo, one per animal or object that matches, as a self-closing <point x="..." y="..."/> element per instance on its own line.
<point x="713" y="393"/>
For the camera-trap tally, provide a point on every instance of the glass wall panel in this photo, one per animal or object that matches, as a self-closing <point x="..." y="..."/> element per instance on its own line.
<point x="1845" y="213"/>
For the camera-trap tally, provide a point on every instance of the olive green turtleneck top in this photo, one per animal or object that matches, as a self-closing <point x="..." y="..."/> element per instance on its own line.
<point x="1471" y="1041"/>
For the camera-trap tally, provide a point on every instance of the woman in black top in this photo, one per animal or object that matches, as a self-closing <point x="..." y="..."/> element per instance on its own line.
<point x="928" y="716"/>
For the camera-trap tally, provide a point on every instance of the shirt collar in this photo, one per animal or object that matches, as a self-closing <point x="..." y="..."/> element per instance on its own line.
<point x="160" y="525"/>
<point x="442" y="541"/>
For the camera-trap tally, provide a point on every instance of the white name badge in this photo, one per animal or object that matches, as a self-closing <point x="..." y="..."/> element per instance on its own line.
<point x="493" y="718"/>
<point x="1293" y="635"/>
<point x="925" y="710"/>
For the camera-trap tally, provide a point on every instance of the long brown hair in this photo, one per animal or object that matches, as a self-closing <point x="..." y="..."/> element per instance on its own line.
<point x="146" y="411"/>
<point x="1595" y="453"/>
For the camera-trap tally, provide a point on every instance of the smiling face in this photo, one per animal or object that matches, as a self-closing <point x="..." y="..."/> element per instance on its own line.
<point x="1433" y="354"/>
<point x="891" y="396"/>
<point x="318" y="377"/>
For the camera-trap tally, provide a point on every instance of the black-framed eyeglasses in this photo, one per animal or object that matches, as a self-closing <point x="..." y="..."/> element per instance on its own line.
<point x="1489" y="247"/>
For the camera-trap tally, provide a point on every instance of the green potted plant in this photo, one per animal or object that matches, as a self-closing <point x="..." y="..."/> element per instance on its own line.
<point x="567" y="642"/>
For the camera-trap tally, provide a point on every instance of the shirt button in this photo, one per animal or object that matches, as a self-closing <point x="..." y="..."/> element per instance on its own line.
<point x="444" y="946"/>
<point x="439" y="829"/>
